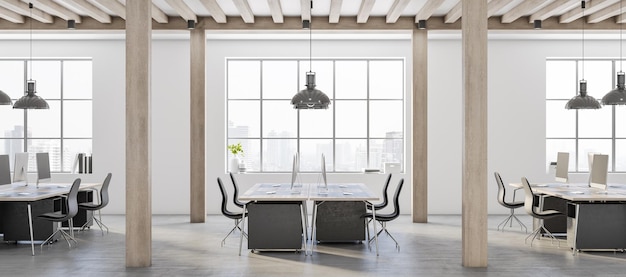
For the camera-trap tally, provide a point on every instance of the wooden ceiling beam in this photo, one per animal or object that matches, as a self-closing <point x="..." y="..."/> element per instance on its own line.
<point x="454" y="14"/>
<point x="276" y="10"/>
<point x="524" y="8"/>
<point x="364" y="11"/>
<point x="428" y="9"/>
<point x="113" y="5"/>
<point x="89" y="9"/>
<point x="20" y="7"/>
<point x="54" y="8"/>
<point x="335" y="11"/>
<point x="215" y="10"/>
<point x="305" y="9"/>
<point x="158" y="15"/>
<point x="495" y="6"/>
<point x="396" y="10"/>
<point x="556" y="7"/>
<point x="591" y="7"/>
<point x="244" y="10"/>
<point x="182" y="9"/>
<point x="606" y="13"/>
<point x="11" y="16"/>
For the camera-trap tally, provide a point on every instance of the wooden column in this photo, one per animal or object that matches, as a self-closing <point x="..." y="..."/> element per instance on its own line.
<point x="138" y="142"/>
<point x="474" y="225"/>
<point x="420" y="126"/>
<point x="197" y="159"/>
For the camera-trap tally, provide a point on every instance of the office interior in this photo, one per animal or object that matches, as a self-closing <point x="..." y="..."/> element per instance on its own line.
<point x="516" y="104"/>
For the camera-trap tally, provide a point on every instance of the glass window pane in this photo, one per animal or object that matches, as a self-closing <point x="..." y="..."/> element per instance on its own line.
<point x="351" y="118"/>
<point x="278" y="154"/>
<point x="389" y="150"/>
<point x="561" y="80"/>
<point x="47" y="74"/>
<point x="620" y="121"/>
<point x="251" y="153"/>
<point x="316" y="123"/>
<point x="350" y="154"/>
<point x="620" y="155"/>
<point x="279" y="119"/>
<point x="311" y="151"/>
<point x="560" y="122"/>
<point x="12" y="78"/>
<point x="323" y="76"/>
<point x="351" y="79"/>
<point x="386" y="118"/>
<point x="77" y="119"/>
<point x="599" y="76"/>
<point x="243" y="119"/>
<point x="77" y="80"/>
<point x="386" y="79"/>
<point x="554" y="146"/>
<point x="45" y="123"/>
<point x="244" y="79"/>
<point x="595" y="123"/>
<point x="52" y="146"/>
<point x="280" y="79"/>
<point x="601" y="146"/>
<point x="71" y="147"/>
<point x="11" y="123"/>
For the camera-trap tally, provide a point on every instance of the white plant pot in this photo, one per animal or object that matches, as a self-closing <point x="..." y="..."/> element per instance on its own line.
<point x="234" y="165"/>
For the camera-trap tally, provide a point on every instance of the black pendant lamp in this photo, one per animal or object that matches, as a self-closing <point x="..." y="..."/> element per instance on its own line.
<point x="617" y="96"/>
<point x="582" y="100"/>
<point x="310" y="98"/>
<point x="5" y="99"/>
<point x="30" y="100"/>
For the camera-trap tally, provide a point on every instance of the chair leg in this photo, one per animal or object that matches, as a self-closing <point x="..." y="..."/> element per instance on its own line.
<point x="384" y="229"/>
<point x="68" y="238"/>
<point x="537" y="233"/>
<point x="236" y="227"/>
<point x="510" y="219"/>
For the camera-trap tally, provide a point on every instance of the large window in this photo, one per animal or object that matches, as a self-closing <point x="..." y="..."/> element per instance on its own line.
<point x="362" y="128"/>
<point x="66" y="128"/>
<point x="580" y="132"/>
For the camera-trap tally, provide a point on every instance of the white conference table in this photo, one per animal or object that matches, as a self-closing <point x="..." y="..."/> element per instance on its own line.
<point x="18" y="192"/>
<point x="314" y="192"/>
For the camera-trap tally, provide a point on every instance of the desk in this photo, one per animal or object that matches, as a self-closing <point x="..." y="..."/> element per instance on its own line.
<point x="341" y="192"/>
<point x="596" y="218"/>
<point x="276" y="193"/>
<point x="316" y="193"/>
<point x="29" y="194"/>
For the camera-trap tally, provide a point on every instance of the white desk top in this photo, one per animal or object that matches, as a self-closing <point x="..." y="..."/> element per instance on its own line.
<point x="302" y="192"/>
<point x="21" y="193"/>
<point x="276" y="192"/>
<point x="342" y="192"/>
<point x="579" y="192"/>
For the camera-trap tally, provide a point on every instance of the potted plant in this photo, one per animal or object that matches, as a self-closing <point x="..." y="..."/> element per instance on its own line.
<point x="237" y="151"/>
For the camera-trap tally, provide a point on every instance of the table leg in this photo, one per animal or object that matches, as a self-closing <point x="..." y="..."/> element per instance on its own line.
<point x="243" y="224"/>
<point x="306" y="219"/>
<point x="313" y="226"/>
<point x="30" y="227"/>
<point x="375" y="231"/>
<point x="304" y="226"/>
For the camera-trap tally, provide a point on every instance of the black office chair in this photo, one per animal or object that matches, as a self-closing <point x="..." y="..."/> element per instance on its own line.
<point x="235" y="192"/>
<point x="531" y="205"/>
<point x="511" y="205"/>
<point x="71" y="205"/>
<point x="383" y="204"/>
<point x="232" y="215"/>
<point x="104" y="200"/>
<point x="384" y="218"/>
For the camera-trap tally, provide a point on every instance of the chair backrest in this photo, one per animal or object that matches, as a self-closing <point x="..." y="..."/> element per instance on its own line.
<point x="72" y="200"/>
<point x="396" y="200"/>
<point x="104" y="191"/>
<point x="529" y="197"/>
<point x="235" y="191"/>
<point x="224" y="197"/>
<point x="385" y="197"/>
<point x="501" y="189"/>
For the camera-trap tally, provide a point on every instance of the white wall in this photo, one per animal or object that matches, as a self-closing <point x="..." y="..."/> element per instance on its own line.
<point x="516" y="112"/>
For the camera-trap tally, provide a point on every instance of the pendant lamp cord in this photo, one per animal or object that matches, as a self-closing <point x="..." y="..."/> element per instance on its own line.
<point x="30" y="7"/>
<point x="582" y="19"/>
<point x="311" y="37"/>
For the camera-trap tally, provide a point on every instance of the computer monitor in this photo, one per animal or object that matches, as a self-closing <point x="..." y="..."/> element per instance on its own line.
<point x="324" y="171"/>
<point x="562" y="166"/>
<point x="43" y="167"/>
<point x="20" y="168"/>
<point x="590" y="164"/>
<point x="5" y="170"/>
<point x="294" y="170"/>
<point x="599" y="171"/>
